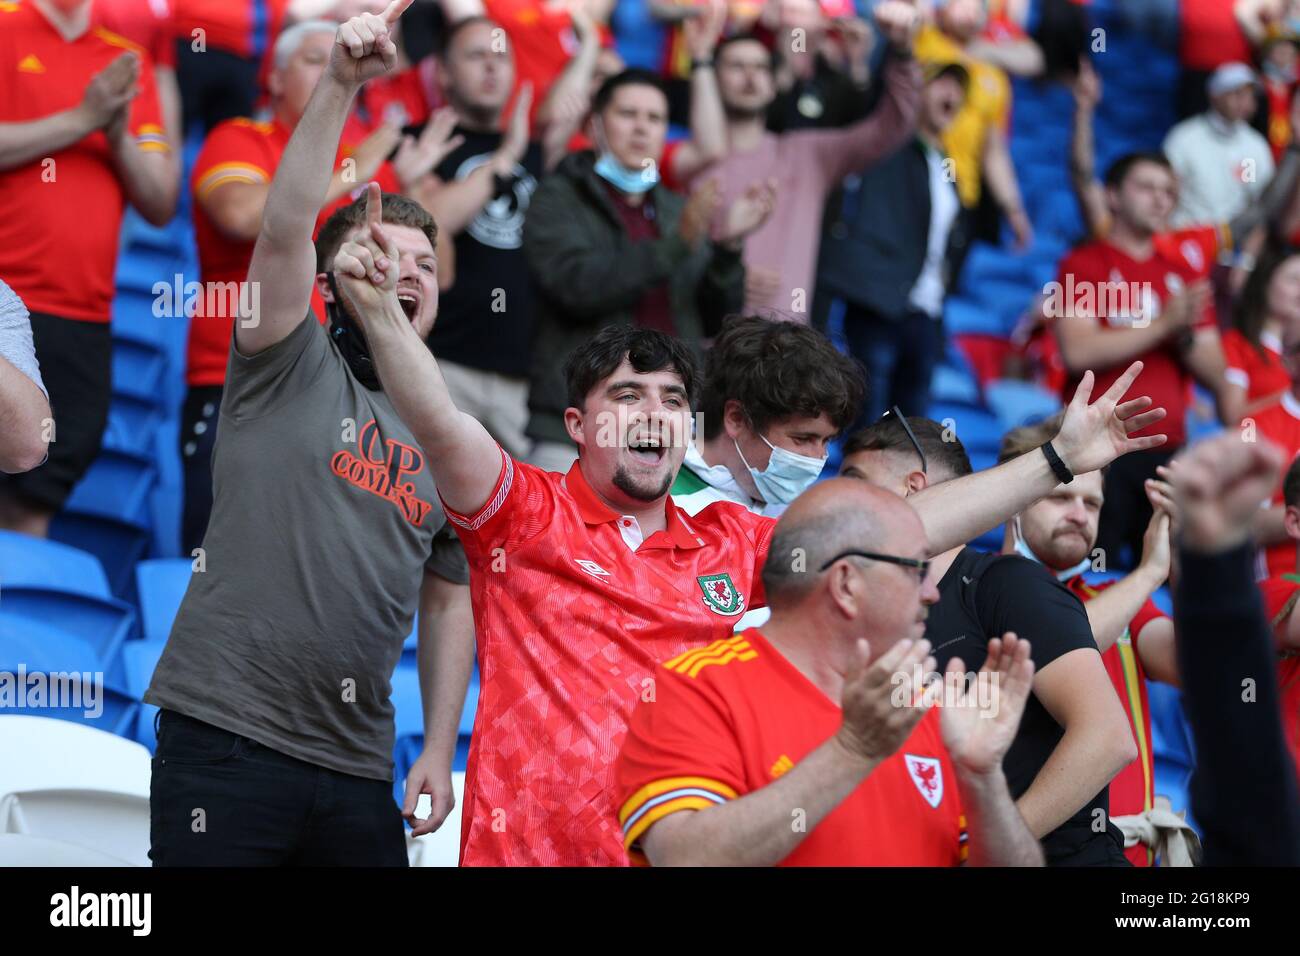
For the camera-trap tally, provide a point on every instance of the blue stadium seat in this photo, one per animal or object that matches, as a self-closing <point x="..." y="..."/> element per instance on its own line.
<point x="36" y="647"/>
<point x="139" y="658"/>
<point x="138" y="368"/>
<point x="118" y="544"/>
<point x="160" y="586"/>
<point x="1017" y="403"/>
<point x="132" y="424"/>
<point x="36" y="561"/>
<point x="116" y="486"/>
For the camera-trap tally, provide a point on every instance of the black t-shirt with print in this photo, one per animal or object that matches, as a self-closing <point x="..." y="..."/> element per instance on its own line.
<point x="485" y="320"/>
<point x="985" y="595"/>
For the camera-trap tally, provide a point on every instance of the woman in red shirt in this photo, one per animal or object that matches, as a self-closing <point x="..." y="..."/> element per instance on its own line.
<point x="1252" y="348"/>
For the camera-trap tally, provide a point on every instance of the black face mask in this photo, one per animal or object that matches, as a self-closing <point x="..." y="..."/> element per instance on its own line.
<point x="350" y="340"/>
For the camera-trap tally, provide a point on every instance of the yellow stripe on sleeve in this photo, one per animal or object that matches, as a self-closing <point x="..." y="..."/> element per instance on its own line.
<point x="659" y="812"/>
<point x="652" y="790"/>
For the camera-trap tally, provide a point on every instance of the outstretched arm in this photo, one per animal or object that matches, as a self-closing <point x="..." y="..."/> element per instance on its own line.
<point x="284" y="260"/>
<point x="1091" y="435"/>
<point x="463" y="457"/>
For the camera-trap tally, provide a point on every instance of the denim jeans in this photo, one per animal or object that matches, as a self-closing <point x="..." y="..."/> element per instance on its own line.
<point x="899" y="358"/>
<point x="219" y="799"/>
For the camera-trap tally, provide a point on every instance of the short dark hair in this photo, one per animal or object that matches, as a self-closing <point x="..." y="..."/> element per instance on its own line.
<point x="742" y="38"/>
<point x="648" y="350"/>
<point x="398" y="210"/>
<point x="449" y="34"/>
<point x="777" y="369"/>
<point x="1291" y="485"/>
<point x="1118" y="171"/>
<point x="633" y="76"/>
<point x="941" y="445"/>
<point x="1024" y="439"/>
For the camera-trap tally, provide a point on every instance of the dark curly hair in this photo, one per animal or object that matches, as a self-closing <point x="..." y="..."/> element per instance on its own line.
<point x="648" y="350"/>
<point x="776" y="370"/>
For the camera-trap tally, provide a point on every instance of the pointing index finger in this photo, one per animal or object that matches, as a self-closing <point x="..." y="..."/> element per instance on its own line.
<point x="395" y="11"/>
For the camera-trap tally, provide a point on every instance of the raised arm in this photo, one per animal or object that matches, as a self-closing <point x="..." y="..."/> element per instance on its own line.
<point x="463" y="457"/>
<point x="1273" y="201"/>
<point x="844" y="151"/>
<point x="1091" y="435"/>
<point x="456" y="202"/>
<point x="1083" y="164"/>
<point x="283" y="266"/>
<point x="708" y="142"/>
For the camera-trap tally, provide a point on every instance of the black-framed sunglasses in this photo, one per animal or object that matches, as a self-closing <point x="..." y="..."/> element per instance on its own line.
<point x="895" y="413"/>
<point x="920" y="564"/>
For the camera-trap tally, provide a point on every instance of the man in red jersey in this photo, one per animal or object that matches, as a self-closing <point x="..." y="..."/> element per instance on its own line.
<point x="804" y="745"/>
<point x="582" y="582"/>
<point x="1280" y="424"/>
<point x="80" y="137"/>
<point x="230" y="183"/>
<point x="1280" y="594"/>
<point x="1136" y="638"/>
<point x="1130" y="296"/>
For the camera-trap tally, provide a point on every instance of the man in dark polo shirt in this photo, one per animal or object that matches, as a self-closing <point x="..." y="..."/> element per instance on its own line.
<point x="276" y="737"/>
<point x="1074" y="737"/>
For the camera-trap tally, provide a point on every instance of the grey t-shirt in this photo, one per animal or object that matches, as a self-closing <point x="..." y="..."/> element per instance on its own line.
<point x="16" y="336"/>
<point x="324" y="516"/>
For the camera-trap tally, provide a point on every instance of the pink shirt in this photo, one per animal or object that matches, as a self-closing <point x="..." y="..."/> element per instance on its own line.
<point x="807" y="166"/>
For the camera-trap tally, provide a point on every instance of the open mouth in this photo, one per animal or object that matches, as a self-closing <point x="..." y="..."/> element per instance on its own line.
<point x="410" y="304"/>
<point x="646" y="449"/>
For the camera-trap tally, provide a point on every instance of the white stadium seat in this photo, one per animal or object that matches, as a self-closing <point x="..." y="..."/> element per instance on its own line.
<point x="41" y="753"/>
<point x="113" y="824"/>
<point x="18" y="849"/>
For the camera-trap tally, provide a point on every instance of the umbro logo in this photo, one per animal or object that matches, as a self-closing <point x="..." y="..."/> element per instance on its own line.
<point x="592" y="568"/>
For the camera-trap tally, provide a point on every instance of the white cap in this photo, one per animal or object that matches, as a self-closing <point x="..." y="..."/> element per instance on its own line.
<point x="1230" y="76"/>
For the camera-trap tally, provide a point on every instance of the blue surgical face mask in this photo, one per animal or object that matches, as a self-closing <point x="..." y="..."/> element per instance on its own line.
<point x="631" y="181"/>
<point x="1023" y="549"/>
<point x="786" y="476"/>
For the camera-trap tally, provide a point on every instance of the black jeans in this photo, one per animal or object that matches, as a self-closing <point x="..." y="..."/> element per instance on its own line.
<point x="219" y="799"/>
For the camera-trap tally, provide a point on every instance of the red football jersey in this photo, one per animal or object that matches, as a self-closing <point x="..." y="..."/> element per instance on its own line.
<point x="238" y="151"/>
<point x="730" y="718"/>
<point x="1258" y="370"/>
<point x="1209" y="35"/>
<point x="1280" y="424"/>
<point x="1121" y="290"/>
<point x="60" y="215"/>
<point x="1279" y="601"/>
<point x="146" y="23"/>
<point x="572" y="611"/>
<point x="244" y="27"/>
<point x="1133" y="789"/>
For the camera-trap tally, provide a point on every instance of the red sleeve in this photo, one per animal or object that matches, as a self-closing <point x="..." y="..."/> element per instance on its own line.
<point x="522" y="504"/>
<point x="762" y="544"/>
<point x="1279" y="597"/>
<point x="681" y="753"/>
<point x="234" y="152"/>
<point x="666" y="166"/>
<point x="145" y="121"/>
<point x="1145" y="615"/>
<point x="1082" y="264"/>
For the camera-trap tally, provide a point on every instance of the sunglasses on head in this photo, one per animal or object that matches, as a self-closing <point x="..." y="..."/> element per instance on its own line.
<point x="895" y="414"/>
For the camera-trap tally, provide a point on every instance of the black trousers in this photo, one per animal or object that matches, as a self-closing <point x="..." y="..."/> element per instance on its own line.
<point x="77" y="367"/>
<point x="215" y="85"/>
<point x="199" y="417"/>
<point x="1127" y="511"/>
<point x="219" y="799"/>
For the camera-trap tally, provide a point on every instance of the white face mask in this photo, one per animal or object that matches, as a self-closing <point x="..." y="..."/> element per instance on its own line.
<point x="1023" y="549"/>
<point x="786" y="476"/>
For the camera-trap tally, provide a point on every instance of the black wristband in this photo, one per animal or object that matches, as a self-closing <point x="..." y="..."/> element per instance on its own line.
<point x="701" y="64"/>
<point x="1063" y="474"/>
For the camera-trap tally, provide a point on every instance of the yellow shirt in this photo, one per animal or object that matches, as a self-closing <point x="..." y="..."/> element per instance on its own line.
<point x="987" y="107"/>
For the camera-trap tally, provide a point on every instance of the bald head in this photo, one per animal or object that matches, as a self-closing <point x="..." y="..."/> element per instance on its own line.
<point x="832" y="517"/>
